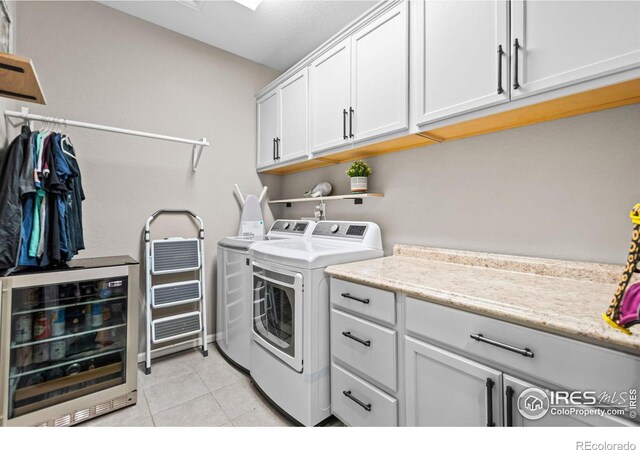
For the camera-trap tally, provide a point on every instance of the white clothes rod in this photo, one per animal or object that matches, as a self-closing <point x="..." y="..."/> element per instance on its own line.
<point x="198" y="146"/>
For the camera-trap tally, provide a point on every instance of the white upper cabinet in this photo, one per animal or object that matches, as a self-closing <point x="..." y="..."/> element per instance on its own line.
<point x="294" y="109"/>
<point x="564" y="42"/>
<point x="462" y="56"/>
<point x="359" y="88"/>
<point x="330" y="91"/>
<point x="379" y="76"/>
<point x="282" y="121"/>
<point x="267" y="128"/>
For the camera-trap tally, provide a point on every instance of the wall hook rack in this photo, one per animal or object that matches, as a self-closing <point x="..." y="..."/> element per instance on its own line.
<point x="196" y="152"/>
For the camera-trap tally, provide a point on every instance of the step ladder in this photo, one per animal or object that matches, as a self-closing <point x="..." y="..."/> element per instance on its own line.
<point x="170" y="256"/>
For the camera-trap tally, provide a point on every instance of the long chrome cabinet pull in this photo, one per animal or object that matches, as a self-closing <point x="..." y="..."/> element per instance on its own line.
<point x="509" y="393"/>
<point x="522" y="351"/>
<point x="516" y="47"/>
<point x="365" y="406"/>
<point x="490" y="383"/>
<point x="361" y="300"/>
<point x="500" y="53"/>
<point x="344" y="124"/>
<point x="357" y="339"/>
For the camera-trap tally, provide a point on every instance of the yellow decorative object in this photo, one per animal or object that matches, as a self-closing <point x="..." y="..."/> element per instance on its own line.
<point x="615" y="325"/>
<point x="635" y="214"/>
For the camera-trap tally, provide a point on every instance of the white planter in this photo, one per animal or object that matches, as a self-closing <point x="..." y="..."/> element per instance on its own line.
<point x="358" y="184"/>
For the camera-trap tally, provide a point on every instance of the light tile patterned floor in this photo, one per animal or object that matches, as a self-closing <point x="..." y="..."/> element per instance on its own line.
<point x="186" y="389"/>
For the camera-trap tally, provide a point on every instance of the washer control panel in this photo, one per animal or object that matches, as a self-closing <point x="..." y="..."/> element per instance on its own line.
<point x="340" y="229"/>
<point x="289" y="226"/>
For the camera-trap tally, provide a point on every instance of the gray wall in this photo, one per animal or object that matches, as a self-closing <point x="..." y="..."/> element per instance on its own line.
<point x="99" y="65"/>
<point x="561" y="189"/>
<point x="6" y="103"/>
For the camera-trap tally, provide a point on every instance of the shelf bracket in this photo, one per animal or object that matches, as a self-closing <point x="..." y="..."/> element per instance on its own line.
<point x="196" y="153"/>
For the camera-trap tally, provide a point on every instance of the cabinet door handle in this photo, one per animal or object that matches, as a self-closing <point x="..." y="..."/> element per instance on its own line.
<point x="509" y="393"/>
<point x="500" y="53"/>
<point x="277" y="148"/>
<point x="357" y="339"/>
<point x="527" y="353"/>
<point x="274" y="149"/>
<point x="344" y="125"/>
<point x="351" y="111"/>
<point x="490" y="384"/>
<point x="365" y="406"/>
<point x="361" y="300"/>
<point x="516" y="47"/>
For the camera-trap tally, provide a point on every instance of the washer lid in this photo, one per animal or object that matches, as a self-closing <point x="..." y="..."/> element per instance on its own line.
<point x="312" y="253"/>
<point x="244" y="242"/>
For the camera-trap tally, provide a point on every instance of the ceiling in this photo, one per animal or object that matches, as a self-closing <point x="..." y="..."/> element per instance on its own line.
<point x="277" y="34"/>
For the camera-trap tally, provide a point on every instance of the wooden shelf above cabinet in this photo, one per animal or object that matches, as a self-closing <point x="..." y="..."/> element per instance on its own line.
<point x="357" y="198"/>
<point x="352" y="154"/>
<point x="621" y="94"/>
<point x="18" y="79"/>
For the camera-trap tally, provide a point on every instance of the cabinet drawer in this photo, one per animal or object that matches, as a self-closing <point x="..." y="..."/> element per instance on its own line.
<point x="560" y="361"/>
<point x="365" y="346"/>
<point x="364" y="300"/>
<point x="377" y="409"/>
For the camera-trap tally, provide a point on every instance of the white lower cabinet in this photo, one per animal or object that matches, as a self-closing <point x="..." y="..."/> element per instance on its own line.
<point x="444" y="389"/>
<point x="358" y="403"/>
<point x="514" y="387"/>
<point x="397" y="360"/>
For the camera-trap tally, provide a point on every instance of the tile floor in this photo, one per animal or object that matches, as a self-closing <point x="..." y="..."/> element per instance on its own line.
<point x="186" y="389"/>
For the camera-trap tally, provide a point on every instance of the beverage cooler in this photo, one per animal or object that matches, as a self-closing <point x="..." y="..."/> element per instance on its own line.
<point x="69" y="342"/>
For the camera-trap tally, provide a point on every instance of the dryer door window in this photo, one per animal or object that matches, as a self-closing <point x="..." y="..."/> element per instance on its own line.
<point x="277" y="300"/>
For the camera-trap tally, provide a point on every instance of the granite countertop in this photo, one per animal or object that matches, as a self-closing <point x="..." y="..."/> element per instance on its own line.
<point x="562" y="297"/>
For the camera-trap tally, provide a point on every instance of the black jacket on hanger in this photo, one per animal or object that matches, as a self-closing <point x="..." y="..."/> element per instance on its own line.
<point x="16" y="180"/>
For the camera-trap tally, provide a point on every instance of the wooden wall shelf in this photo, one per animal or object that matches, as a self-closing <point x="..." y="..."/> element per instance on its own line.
<point x="18" y="79"/>
<point x="621" y="94"/>
<point x="357" y="198"/>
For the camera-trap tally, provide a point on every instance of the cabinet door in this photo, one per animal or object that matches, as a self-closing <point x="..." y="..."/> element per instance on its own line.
<point x="561" y="42"/>
<point x="444" y="389"/>
<point x="462" y="57"/>
<point x="380" y="60"/>
<point x="294" y="109"/>
<point x="513" y="387"/>
<point x="267" y="128"/>
<point x="330" y="90"/>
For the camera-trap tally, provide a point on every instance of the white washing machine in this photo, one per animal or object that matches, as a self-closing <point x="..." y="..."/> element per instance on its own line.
<point x="234" y="299"/>
<point x="290" y="348"/>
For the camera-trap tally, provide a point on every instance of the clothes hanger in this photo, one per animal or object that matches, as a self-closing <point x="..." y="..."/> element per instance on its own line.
<point x="66" y="140"/>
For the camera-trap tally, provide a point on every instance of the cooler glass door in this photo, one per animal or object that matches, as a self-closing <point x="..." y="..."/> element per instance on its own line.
<point x="67" y="340"/>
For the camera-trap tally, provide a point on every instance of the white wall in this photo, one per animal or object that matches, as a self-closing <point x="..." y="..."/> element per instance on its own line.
<point x="99" y="65"/>
<point x="561" y="189"/>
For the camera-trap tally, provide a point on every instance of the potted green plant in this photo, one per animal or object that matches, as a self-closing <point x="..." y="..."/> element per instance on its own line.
<point x="359" y="171"/>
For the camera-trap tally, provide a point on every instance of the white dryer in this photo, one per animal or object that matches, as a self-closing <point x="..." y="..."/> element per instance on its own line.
<point x="234" y="299"/>
<point x="290" y="348"/>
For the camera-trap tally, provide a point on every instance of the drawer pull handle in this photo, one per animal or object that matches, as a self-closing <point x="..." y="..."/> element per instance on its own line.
<point x="357" y="339"/>
<point x="361" y="300"/>
<point x="490" y="384"/>
<point x="522" y="351"/>
<point x="365" y="406"/>
<point x="509" y="392"/>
